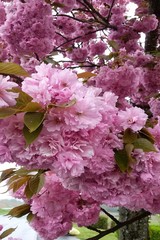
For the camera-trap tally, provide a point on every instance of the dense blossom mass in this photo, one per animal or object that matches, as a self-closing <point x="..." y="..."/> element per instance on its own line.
<point x="56" y="219"/>
<point x="93" y="134"/>
<point x="29" y="30"/>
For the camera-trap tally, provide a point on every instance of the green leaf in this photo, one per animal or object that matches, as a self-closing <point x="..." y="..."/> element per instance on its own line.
<point x="23" y="98"/>
<point x="30" y="137"/>
<point x="7" y="174"/>
<point x="33" y="120"/>
<point x="129" y="148"/>
<point x="144" y="133"/>
<point x="19" y="211"/>
<point x="12" y="179"/>
<point x="113" y="44"/>
<point x="144" y="144"/>
<point x="122" y="160"/>
<point x="32" y="107"/>
<point x="9" y="68"/>
<point x="86" y="75"/>
<point x="129" y="136"/>
<point x="64" y="105"/>
<point x="28" y="191"/>
<point x="41" y="182"/>
<point x="155" y="53"/>
<point x="110" y="56"/>
<point x="7" y="112"/>
<point x="30" y="217"/>
<point x="24" y="172"/>
<point x="34" y="185"/>
<point x="19" y="183"/>
<point x="7" y="232"/>
<point x="150" y="65"/>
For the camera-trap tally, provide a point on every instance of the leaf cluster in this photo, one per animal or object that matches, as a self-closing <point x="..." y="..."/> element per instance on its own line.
<point x="131" y="140"/>
<point x="7" y="233"/>
<point x="31" y="180"/>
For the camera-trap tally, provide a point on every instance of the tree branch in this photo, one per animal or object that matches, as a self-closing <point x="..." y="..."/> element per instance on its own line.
<point x="120" y="225"/>
<point x="94" y="229"/>
<point x="81" y="36"/>
<point x="110" y="10"/>
<point x="110" y="216"/>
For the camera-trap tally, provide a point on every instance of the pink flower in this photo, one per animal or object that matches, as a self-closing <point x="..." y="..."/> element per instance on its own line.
<point x="97" y="48"/>
<point x="33" y="25"/>
<point x="50" y="85"/>
<point x="2" y="13"/>
<point x="146" y="24"/>
<point x="69" y="163"/>
<point x="55" y="209"/>
<point x="79" y="54"/>
<point x="134" y="118"/>
<point x="7" y="98"/>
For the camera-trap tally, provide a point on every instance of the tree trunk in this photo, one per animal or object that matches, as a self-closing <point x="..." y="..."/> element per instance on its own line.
<point x="135" y="231"/>
<point x="151" y="41"/>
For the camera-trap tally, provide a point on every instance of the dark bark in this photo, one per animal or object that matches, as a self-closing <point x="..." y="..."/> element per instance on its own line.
<point x="151" y="41"/>
<point x="135" y="231"/>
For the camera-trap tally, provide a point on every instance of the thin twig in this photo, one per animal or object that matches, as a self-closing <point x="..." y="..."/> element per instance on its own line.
<point x="104" y="20"/>
<point x="110" y="10"/>
<point x="74" y="18"/>
<point x="110" y="216"/>
<point x="94" y="229"/>
<point x="81" y="36"/>
<point x="89" y="10"/>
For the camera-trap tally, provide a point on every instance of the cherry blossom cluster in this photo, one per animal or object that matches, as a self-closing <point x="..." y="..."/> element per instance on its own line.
<point x="75" y="28"/>
<point x="67" y="143"/>
<point x="30" y="30"/>
<point x="84" y="120"/>
<point x="7" y="98"/>
<point x="75" y="114"/>
<point x="55" y="209"/>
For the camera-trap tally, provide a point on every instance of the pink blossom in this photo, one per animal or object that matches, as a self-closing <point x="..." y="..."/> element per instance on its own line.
<point x="50" y="85"/>
<point x="123" y="80"/>
<point x="7" y="98"/>
<point x="155" y="106"/>
<point x="31" y="26"/>
<point x="2" y="13"/>
<point x="79" y="54"/>
<point x="97" y="48"/>
<point x="134" y="118"/>
<point x="69" y="162"/>
<point x="146" y="24"/>
<point x="58" y="207"/>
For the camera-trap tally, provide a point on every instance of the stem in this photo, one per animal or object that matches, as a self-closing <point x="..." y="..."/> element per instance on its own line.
<point x="90" y="6"/>
<point x="74" y="18"/>
<point x="110" y="10"/>
<point x="94" y="229"/>
<point x="110" y="216"/>
<point x="120" y="225"/>
<point x="73" y="39"/>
